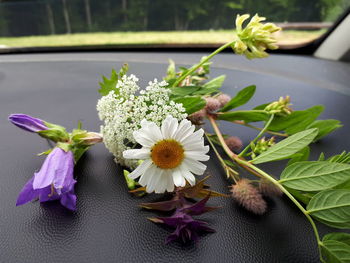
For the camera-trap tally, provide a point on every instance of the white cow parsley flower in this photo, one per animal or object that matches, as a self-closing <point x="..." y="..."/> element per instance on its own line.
<point x="122" y="113"/>
<point x="171" y="154"/>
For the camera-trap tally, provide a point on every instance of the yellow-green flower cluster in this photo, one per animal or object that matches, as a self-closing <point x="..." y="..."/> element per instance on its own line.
<point x="261" y="146"/>
<point x="255" y="38"/>
<point x="280" y="107"/>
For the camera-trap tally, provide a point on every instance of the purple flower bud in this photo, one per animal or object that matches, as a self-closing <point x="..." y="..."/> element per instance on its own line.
<point x="27" y="122"/>
<point x="212" y="105"/>
<point x="234" y="143"/>
<point x="54" y="181"/>
<point x="223" y="99"/>
<point x="248" y="197"/>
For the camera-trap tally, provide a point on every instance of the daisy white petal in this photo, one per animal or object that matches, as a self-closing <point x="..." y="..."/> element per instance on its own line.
<point x="195" y="166"/>
<point x="179" y="180"/>
<point x="152" y="131"/>
<point x="170" y="182"/>
<point x="144" y="141"/>
<point x="197" y="156"/>
<point x="136" y="154"/>
<point x="169" y="127"/>
<point x="140" y="169"/>
<point x="188" y="175"/>
<point x="197" y="135"/>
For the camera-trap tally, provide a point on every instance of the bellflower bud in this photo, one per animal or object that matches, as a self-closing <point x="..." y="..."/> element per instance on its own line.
<point x="27" y="122"/>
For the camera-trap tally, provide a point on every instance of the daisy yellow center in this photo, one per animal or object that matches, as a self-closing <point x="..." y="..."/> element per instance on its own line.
<point x="167" y="154"/>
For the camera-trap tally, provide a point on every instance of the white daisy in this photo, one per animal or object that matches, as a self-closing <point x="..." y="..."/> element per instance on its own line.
<point x="171" y="154"/>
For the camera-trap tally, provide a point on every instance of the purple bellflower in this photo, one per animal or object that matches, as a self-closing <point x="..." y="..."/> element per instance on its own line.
<point x="27" y="122"/>
<point x="54" y="181"/>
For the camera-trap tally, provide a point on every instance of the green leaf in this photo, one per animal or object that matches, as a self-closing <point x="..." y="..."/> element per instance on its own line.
<point x="303" y="197"/>
<point x="331" y="206"/>
<point x="287" y="147"/>
<point x="335" y="252"/>
<point x="321" y="157"/>
<point x="315" y="176"/>
<point x="215" y="83"/>
<point x="303" y="155"/>
<point x="183" y="91"/>
<point x="191" y="103"/>
<point x="241" y="98"/>
<point x="345" y="185"/>
<point x="296" y="121"/>
<point x="262" y="106"/>
<point x="340" y="158"/>
<point x="325" y="127"/>
<point x="338" y="236"/>
<point x="171" y="70"/>
<point x="246" y="116"/>
<point x="108" y="85"/>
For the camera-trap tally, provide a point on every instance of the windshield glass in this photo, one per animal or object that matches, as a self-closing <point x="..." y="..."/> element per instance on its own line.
<point x="40" y="23"/>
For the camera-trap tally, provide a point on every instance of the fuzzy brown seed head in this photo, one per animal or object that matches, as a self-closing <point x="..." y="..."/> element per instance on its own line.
<point x="248" y="197"/>
<point x="234" y="143"/>
<point x="269" y="189"/>
<point x="197" y="117"/>
<point x="223" y="99"/>
<point x="212" y="105"/>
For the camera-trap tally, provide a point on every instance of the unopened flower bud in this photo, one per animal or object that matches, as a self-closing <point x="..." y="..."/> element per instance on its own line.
<point x="249" y="197"/>
<point x="212" y="105"/>
<point x="261" y="146"/>
<point x="92" y="138"/>
<point x="27" y="122"/>
<point x="197" y="117"/>
<point x="269" y="189"/>
<point x="223" y="99"/>
<point x="234" y="143"/>
<point x="280" y="107"/>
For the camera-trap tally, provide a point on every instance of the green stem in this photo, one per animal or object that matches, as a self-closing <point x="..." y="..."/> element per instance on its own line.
<point x="290" y="196"/>
<point x="195" y="67"/>
<point x="259" y="129"/>
<point x="258" y="136"/>
<point x="223" y="164"/>
<point x="250" y="167"/>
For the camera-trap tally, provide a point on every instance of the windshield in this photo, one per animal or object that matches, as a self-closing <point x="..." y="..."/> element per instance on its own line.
<point x="42" y="23"/>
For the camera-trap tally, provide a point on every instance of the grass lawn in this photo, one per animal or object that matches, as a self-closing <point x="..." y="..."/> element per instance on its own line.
<point x="169" y="37"/>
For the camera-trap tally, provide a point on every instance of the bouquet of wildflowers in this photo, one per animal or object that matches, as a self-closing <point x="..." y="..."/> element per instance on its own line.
<point x="157" y="135"/>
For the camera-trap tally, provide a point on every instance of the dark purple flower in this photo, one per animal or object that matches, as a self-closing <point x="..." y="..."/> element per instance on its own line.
<point x="27" y="122"/>
<point x="186" y="227"/>
<point x="54" y="181"/>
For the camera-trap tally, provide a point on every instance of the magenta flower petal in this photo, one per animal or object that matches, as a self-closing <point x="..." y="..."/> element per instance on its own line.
<point x="27" y="193"/>
<point x="27" y="122"/>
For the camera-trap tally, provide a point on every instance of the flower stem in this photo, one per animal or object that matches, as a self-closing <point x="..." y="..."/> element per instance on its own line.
<point x="229" y="171"/>
<point x="250" y="167"/>
<point x="259" y="129"/>
<point x="195" y="67"/>
<point x="258" y="136"/>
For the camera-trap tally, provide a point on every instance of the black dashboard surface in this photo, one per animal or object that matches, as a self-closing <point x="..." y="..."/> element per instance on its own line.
<point x="108" y="225"/>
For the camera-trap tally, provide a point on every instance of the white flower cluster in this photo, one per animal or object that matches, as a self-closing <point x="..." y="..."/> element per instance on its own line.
<point x="122" y="113"/>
